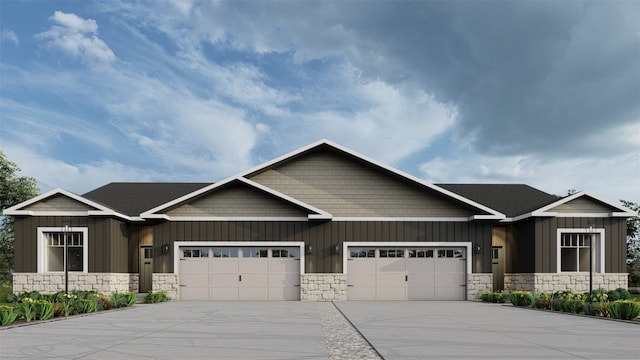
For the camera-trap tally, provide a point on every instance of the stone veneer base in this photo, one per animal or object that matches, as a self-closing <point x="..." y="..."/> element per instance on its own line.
<point x="54" y="282"/>
<point x="167" y="282"/>
<point x="477" y="283"/>
<point x="323" y="287"/>
<point x="552" y="282"/>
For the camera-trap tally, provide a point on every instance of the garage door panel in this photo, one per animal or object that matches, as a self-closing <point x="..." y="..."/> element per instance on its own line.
<point x="224" y="293"/>
<point x="255" y="279"/>
<point x="445" y="279"/>
<point x="284" y="265"/>
<point x="361" y="279"/>
<point x="420" y="266"/>
<point x="253" y="292"/>
<point x="392" y="265"/>
<point x="284" y="279"/>
<point x="362" y="266"/>
<point x="361" y="292"/>
<point x="450" y="265"/>
<point x="290" y="293"/>
<point x="225" y="266"/>
<point x="421" y="293"/>
<point x="254" y="265"/>
<point x="391" y="293"/>
<point x="451" y="293"/>
<point x="195" y="292"/>
<point x="218" y="279"/>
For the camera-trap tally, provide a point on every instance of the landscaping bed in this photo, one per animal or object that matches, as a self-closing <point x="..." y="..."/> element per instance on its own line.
<point x="613" y="304"/>
<point x="31" y="306"/>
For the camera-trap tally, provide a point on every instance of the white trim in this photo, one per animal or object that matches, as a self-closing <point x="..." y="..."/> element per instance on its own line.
<point x="410" y="244"/>
<point x="101" y="209"/>
<point x="371" y="218"/>
<point x="493" y="214"/>
<point x="543" y="211"/>
<point x="178" y="244"/>
<point x="319" y="214"/>
<point x="227" y="218"/>
<point x="42" y="248"/>
<point x="599" y="244"/>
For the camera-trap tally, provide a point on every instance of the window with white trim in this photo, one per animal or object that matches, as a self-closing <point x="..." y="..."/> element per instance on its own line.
<point x="51" y="250"/>
<point x="574" y="249"/>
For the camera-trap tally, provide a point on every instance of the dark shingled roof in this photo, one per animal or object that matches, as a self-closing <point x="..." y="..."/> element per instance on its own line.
<point x="132" y="199"/>
<point x="509" y="199"/>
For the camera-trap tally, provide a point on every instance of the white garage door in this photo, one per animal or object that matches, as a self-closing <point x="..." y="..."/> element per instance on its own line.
<point x="239" y="273"/>
<point x="391" y="273"/>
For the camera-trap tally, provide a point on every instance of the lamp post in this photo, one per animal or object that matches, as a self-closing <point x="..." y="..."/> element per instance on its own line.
<point x="590" y="264"/>
<point x="66" y="256"/>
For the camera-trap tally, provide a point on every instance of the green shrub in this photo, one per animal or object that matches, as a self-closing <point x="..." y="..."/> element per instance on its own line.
<point x="599" y="295"/>
<point x="542" y="300"/>
<point x="44" y="310"/>
<point x="521" y="298"/>
<point x="5" y="290"/>
<point x="574" y="303"/>
<point x="613" y="295"/>
<point x="597" y="309"/>
<point x="86" y="306"/>
<point x="624" y="309"/>
<point x="7" y="315"/>
<point x="104" y="302"/>
<point x="123" y="299"/>
<point x="556" y="304"/>
<point x="26" y="308"/>
<point x="161" y="296"/>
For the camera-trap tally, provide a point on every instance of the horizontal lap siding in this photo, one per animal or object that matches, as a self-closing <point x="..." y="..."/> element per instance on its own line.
<point x="322" y="236"/>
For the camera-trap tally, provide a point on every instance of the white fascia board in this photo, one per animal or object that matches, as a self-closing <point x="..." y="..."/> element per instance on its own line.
<point x="624" y="212"/>
<point x="319" y="214"/>
<point x="230" y="218"/>
<point x="102" y="210"/>
<point x="381" y="165"/>
<point x="407" y="218"/>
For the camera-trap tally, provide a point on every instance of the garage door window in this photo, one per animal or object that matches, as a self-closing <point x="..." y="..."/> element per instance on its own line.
<point x="362" y="253"/>
<point x="391" y="253"/>
<point x="451" y="253"/>
<point x="254" y="253"/>
<point x="195" y="253"/>
<point x="225" y="252"/>
<point x="285" y="253"/>
<point x="420" y="253"/>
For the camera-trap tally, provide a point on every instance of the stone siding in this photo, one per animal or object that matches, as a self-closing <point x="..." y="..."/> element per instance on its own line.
<point x="54" y="282"/>
<point x="166" y="282"/>
<point x="575" y="282"/>
<point x="477" y="283"/>
<point x="323" y="287"/>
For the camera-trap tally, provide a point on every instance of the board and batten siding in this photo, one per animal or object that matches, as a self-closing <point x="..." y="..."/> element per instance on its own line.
<point x="238" y="200"/>
<point x="347" y="188"/>
<point x="107" y="242"/>
<point x="546" y="238"/>
<point x="322" y="236"/>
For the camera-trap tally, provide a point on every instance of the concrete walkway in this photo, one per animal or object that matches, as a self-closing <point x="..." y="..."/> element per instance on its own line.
<point x="303" y="330"/>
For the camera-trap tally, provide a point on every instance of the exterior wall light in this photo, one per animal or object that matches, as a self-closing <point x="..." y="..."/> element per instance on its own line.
<point x="335" y="248"/>
<point x="477" y="248"/>
<point x="309" y="249"/>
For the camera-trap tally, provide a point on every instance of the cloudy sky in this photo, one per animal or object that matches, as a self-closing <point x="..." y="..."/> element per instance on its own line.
<point x="543" y="93"/>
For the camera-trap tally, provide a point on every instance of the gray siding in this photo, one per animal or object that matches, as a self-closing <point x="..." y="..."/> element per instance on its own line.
<point x="582" y="205"/>
<point x="347" y="188"/>
<point x="238" y="200"/>
<point x="59" y="203"/>
<point x="546" y="241"/>
<point x="321" y="236"/>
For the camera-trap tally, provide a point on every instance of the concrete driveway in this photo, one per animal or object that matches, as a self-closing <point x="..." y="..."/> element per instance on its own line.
<point x="302" y="330"/>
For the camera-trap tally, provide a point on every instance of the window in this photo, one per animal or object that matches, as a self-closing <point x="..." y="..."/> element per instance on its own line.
<point x="195" y="253"/>
<point x="573" y="248"/>
<point x="225" y="252"/>
<point x="51" y="249"/>
<point x="283" y="253"/>
<point x="391" y="253"/>
<point x="420" y="253"/>
<point x="362" y="253"/>
<point x="254" y="253"/>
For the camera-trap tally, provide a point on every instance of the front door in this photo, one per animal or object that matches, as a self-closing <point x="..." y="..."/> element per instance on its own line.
<point x="146" y="268"/>
<point x="497" y="267"/>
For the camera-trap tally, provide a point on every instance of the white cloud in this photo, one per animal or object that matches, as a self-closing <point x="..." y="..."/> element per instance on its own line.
<point x="78" y="38"/>
<point x="9" y="36"/>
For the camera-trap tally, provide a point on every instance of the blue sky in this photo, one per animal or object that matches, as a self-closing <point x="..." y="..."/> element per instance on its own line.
<point x="542" y="93"/>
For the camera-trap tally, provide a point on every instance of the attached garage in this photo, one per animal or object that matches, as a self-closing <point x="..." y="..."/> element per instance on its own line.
<point x="239" y="271"/>
<point x="403" y="271"/>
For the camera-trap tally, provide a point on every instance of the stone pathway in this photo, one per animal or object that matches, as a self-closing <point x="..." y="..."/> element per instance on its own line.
<point x="343" y="341"/>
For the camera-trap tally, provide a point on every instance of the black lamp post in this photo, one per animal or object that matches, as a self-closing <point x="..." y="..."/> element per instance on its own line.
<point x="590" y="264"/>
<point x="66" y="260"/>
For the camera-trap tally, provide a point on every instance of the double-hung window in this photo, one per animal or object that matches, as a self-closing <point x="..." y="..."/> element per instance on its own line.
<point x="52" y="242"/>
<point x="574" y="248"/>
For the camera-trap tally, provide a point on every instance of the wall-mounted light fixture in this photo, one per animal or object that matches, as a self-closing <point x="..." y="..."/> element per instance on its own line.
<point x="165" y="249"/>
<point x="477" y="248"/>
<point x="335" y="248"/>
<point x="309" y="249"/>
